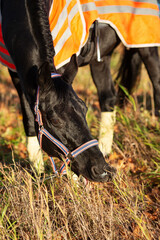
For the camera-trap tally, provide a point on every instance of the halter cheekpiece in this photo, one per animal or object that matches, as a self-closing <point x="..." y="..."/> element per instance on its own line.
<point x="42" y="131"/>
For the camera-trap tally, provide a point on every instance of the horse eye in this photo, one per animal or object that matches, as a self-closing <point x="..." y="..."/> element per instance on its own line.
<point x="52" y="119"/>
<point x="55" y="122"/>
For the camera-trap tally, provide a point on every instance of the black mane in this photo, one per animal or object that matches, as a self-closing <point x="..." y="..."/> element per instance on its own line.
<point x="39" y="23"/>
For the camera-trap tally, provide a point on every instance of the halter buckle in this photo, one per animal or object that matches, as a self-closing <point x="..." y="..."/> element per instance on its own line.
<point x="41" y="127"/>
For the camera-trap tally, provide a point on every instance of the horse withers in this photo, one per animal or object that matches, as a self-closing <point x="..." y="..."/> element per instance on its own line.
<point x="59" y="111"/>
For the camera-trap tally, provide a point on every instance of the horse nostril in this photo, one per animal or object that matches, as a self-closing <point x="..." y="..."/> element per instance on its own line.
<point x="94" y="171"/>
<point x="106" y="172"/>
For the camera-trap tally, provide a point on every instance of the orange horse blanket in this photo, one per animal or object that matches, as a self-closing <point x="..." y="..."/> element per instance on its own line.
<point x="136" y="22"/>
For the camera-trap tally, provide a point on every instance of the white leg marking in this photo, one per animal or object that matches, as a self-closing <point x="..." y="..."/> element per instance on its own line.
<point x="106" y="131"/>
<point x="35" y="154"/>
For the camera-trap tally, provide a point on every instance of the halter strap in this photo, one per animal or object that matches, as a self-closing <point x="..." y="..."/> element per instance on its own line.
<point x="42" y="131"/>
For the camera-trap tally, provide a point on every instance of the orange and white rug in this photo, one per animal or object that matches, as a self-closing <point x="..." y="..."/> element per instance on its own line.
<point x="136" y="22"/>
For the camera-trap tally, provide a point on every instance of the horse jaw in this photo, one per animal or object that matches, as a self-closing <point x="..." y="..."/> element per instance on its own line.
<point x="106" y="132"/>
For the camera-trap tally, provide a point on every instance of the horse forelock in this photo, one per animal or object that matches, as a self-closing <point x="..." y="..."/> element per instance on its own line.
<point x="58" y="90"/>
<point x="62" y="89"/>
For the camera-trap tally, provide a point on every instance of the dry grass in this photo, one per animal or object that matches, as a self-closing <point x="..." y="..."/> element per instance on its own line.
<point x="128" y="208"/>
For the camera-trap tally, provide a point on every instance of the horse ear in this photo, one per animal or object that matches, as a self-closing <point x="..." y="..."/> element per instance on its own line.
<point x="44" y="74"/>
<point x="71" y="70"/>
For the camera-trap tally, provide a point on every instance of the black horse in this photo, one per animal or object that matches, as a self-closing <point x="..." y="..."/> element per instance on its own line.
<point x="99" y="59"/>
<point x="60" y="114"/>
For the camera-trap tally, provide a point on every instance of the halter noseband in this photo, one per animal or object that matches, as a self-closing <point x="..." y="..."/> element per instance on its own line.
<point x="42" y="131"/>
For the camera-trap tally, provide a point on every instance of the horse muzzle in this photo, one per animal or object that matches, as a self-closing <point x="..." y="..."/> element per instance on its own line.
<point x="105" y="174"/>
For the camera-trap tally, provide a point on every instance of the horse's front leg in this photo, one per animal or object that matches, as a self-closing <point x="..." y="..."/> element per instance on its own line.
<point x="33" y="147"/>
<point x="101" y="75"/>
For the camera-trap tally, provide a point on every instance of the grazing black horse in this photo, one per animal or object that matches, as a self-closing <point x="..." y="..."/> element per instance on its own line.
<point x="99" y="59"/>
<point x="60" y="114"/>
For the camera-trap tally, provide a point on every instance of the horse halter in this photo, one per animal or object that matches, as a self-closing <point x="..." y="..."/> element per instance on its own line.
<point x="42" y="131"/>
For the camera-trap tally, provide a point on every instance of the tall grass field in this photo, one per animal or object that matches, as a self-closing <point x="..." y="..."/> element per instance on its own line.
<point x="58" y="208"/>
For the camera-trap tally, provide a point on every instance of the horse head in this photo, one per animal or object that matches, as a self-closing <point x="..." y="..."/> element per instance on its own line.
<point x="63" y="116"/>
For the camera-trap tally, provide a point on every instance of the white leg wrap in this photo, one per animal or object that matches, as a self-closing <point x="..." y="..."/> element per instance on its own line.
<point x="35" y="154"/>
<point x="106" y="131"/>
